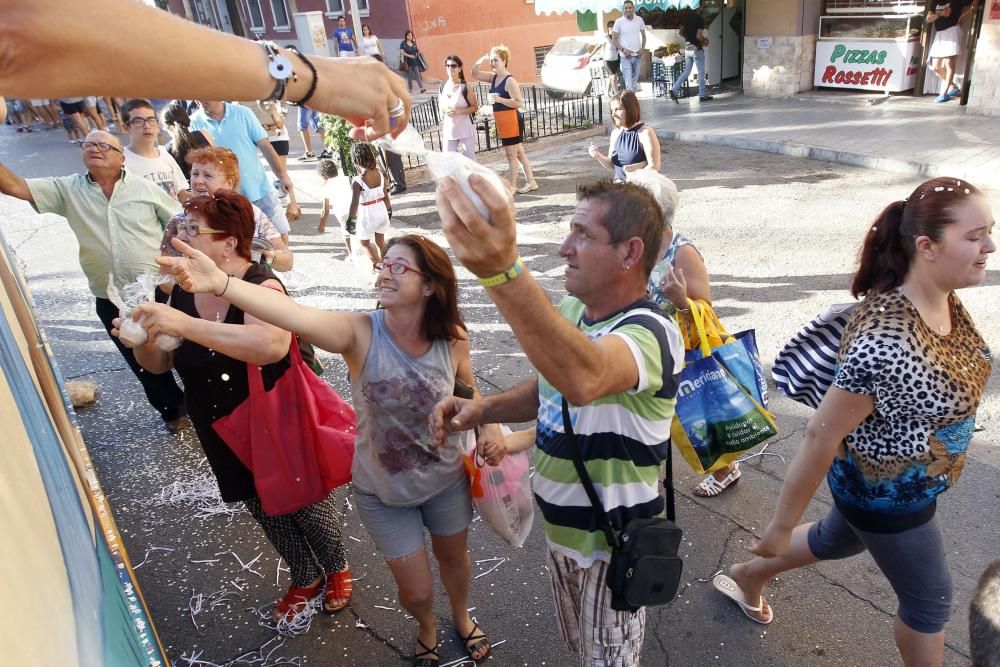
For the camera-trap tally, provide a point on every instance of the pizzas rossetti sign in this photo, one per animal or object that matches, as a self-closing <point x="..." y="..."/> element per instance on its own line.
<point x="882" y="65"/>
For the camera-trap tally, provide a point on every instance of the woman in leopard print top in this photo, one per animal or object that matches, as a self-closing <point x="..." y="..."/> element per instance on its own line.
<point x="891" y="433"/>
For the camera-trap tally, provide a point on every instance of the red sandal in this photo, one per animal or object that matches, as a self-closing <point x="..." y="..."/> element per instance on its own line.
<point x="294" y="601"/>
<point x="339" y="587"/>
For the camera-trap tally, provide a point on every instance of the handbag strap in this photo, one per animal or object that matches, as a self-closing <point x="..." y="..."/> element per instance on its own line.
<point x="256" y="379"/>
<point x="588" y="485"/>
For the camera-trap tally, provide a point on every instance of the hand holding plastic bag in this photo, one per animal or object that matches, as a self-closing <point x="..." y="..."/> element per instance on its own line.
<point x="442" y="165"/>
<point x="130" y="332"/>
<point x="502" y="493"/>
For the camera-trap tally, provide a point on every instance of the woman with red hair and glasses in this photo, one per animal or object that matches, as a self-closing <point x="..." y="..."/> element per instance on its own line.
<point x="403" y="358"/>
<point x="891" y="433"/>
<point x="213" y="169"/>
<point x="219" y="341"/>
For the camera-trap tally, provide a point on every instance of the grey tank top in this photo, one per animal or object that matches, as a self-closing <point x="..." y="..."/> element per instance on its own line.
<point x="395" y="457"/>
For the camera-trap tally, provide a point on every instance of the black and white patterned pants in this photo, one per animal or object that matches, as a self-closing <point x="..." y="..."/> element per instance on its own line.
<point x="309" y="539"/>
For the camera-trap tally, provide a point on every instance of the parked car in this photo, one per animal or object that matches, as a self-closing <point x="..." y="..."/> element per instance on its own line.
<point x="568" y="64"/>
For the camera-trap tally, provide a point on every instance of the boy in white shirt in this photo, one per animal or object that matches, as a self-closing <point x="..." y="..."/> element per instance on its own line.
<point x="336" y="198"/>
<point x="144" y="157"/>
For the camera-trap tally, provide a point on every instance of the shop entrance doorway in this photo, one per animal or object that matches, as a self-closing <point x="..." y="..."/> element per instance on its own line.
<point x="884" y="47"/>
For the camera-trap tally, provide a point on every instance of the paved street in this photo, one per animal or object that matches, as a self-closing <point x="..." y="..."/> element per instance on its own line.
<point x="779" y="235"/>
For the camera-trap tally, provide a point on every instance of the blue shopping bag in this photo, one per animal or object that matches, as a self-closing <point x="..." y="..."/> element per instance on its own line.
<point x="742" y="360"/>
<point x="720" y="410"/>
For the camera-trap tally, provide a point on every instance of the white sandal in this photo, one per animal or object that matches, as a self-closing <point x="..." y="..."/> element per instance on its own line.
<point x="713" y="487"/>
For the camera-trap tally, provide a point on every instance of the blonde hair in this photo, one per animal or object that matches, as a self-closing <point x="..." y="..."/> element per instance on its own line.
<point x="502" y="51"/>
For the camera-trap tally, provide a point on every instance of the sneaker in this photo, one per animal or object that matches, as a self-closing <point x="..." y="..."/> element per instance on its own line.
<point x="943" y="97"/>
<point x="706" y="98"/>
<point x="673" y="96"/>
<point x="527" y="187"/>
<point x="955" y="92"/>
<point x="397" y="190"/>
<point x="326" y="154"/>
<point x="308" y="155"/>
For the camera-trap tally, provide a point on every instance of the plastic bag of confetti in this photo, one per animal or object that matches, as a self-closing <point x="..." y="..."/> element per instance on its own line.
<point x="502" y="493"/>
<point x="130" y="332"/>
<point x="442" y="165"/>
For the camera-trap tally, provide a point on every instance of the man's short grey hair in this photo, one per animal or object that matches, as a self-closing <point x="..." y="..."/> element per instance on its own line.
<point x="663" y="190"/>
<point x="984" y="620"/>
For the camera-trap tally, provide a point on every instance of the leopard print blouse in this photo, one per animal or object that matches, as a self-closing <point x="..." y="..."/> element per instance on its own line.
<point x="926" y="388"/>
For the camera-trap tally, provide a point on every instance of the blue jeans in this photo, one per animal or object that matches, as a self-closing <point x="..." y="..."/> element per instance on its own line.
<point x="308" y="119"/>
<point x="630" y="72"/>
<point x="689" y="62"/>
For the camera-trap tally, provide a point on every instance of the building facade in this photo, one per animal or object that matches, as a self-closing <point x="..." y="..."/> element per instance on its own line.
<point x="783" y="38"/>
<point x="440" y="28"/>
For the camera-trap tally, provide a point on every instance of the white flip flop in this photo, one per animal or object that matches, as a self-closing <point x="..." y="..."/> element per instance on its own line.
<point x="731" y="590"/>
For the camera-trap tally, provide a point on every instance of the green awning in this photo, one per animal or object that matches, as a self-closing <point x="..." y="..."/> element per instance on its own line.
<point x="571" y="6"/>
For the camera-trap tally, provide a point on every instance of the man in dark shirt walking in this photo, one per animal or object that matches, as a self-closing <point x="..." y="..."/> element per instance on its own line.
<point x="692" y="30"/>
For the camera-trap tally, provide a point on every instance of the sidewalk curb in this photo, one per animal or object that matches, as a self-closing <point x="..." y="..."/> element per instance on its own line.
<point x="824" y="154"/>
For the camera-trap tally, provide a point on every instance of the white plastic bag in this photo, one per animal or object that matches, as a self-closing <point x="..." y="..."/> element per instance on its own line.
<point x="502" y="493"/>
<point x="442" y="165"/>
<point x="130" y="332"/>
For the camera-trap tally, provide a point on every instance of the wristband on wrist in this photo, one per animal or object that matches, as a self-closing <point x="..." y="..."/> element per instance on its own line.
<point x="280" y="69"/>
<point x="516" y="269"/>
<point x="226" y="287"/>
<point x="315" y="77"/>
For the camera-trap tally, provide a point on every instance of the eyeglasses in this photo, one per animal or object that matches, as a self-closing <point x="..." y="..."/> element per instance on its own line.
<point x="99" y="145"/>
<point x="144" y="122"/>
<point x="396" y="268"/>
<point x="192" y="230"/>
<point x="452" y="65"/>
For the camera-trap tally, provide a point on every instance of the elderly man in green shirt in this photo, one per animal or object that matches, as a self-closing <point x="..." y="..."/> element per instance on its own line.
<point x="118" y="219"/>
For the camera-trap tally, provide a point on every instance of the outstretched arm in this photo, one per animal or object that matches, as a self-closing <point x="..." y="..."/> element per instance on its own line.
<point x="13" y="185"/>
<point x="195" y="272"/>
<point x="581" y="369"/>
<point x="60" y="48"/>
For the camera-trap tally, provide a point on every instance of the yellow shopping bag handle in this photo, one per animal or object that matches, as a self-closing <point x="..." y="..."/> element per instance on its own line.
<point x="698" y="317"/>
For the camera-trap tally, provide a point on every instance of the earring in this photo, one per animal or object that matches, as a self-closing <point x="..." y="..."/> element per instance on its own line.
<point x="625" y="266"/>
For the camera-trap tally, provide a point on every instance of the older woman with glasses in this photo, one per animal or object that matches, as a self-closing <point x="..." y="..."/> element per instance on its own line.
<point x="215" y="170"/>
<point x="402" y="360"/>
<point x="458" y="107"/>
<point x="219" y="340"/>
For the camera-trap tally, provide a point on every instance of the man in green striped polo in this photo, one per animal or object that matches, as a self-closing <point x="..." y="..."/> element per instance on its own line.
<point x="612" y="355"/>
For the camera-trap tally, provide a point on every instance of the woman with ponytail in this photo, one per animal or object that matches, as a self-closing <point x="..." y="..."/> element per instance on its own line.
<point x="458" y="106"/>
<point x="891" y="433"/>
<point x="182" y="139"/>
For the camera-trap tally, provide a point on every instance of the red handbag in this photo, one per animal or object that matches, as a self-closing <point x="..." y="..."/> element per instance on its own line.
<point x="297" y="439"/>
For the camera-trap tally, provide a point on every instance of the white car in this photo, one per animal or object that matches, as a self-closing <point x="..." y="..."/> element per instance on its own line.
<point x="568" y="64"/>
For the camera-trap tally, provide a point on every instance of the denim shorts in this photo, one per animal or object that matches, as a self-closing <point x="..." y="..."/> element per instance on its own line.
<point x="399" y="531"/>
<point x="308" y="119"/>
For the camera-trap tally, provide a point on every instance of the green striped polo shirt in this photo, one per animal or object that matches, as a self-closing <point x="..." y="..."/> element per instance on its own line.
<point x="623" y="437"/>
